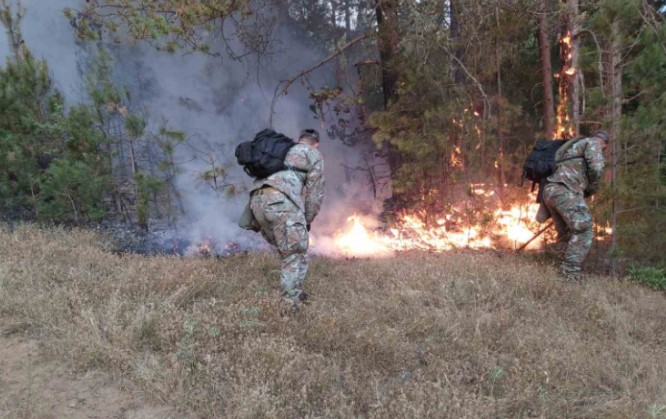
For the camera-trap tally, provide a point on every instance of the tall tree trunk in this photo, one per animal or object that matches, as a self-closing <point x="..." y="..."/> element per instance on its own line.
<point x="388" y="38"/>
<point x="568" y="110"/>
<point x="614" y="88"/>
<point x="454" y="35"/>
<point x="546" y="71"/>
<point x="387" y="24"/>
<point x="575" y="84"/>
<point x="500" y="102"/>
<point x="141" y="220"/>
<point x="347" y="20"/>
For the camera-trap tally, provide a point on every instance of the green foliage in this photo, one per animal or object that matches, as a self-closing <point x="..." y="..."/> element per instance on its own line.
<point x="130" y="147"/>
<point x="455" y="120"/>
<point x="51" y="167"/>
<point x="638" y="196"/>
<point x="72" y="192"/>
<point x="147" y="187"/>
<point x="67" y="165"/>
<point x="168" y="24"/>
<point x="654" y="277"/>
<point x="135" y="126"/>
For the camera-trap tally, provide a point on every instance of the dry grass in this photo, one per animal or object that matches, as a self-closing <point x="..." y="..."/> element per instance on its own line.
<point x="454" y="335"/>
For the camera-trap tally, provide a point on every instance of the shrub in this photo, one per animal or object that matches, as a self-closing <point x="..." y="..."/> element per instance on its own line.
<point x="654" y="277"/>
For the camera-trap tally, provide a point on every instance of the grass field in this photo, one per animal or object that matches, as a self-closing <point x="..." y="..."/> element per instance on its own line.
<point x="419" y="335"/>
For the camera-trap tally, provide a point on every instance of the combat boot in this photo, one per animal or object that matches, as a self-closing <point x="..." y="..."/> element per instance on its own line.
<point x="303" y="298"/>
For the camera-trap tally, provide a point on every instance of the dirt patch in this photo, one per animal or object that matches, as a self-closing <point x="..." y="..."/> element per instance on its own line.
<point x="32" y="386"/>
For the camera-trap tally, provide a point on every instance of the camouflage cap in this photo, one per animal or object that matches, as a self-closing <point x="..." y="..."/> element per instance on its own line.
<point x="601" y="134"/>
<point x="310" y="132"/>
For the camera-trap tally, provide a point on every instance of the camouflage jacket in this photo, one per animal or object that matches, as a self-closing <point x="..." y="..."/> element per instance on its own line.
<point x="581" y="175"/>
<point x="305" y="186"/>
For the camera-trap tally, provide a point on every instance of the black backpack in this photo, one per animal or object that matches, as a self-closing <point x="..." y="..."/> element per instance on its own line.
<point x="540" y="163"/>
<point x="264" y="155"/>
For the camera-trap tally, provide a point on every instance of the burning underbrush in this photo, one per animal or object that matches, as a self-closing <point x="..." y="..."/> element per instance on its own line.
<point x="455" y="334"/>
<point x="481" y="220"/>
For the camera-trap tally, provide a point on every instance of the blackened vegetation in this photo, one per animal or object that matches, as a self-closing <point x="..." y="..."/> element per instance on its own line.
<point x="132" y="240"/>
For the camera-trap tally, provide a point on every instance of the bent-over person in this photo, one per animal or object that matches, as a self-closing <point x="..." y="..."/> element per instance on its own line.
<point x="284" y="205"/>
<point x="578" y="175"/>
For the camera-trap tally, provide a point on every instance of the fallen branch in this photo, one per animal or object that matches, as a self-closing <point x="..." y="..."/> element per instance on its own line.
<point x="537" y="234"/>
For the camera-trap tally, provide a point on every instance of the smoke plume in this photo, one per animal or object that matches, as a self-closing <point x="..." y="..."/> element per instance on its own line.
<point x="218" y="102"/>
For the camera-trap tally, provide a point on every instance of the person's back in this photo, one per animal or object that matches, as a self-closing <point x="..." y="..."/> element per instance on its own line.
<point x="580" y="166"/>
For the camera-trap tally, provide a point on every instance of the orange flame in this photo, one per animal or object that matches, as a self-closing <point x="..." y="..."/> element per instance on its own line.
<point x="503" y="227"/>
<point x="358" y="240"/>
<point x="455" y="158"/>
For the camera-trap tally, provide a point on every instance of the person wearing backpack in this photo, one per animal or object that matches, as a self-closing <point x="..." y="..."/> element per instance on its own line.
<point x="578" y="175"/>
<point x="284" y="204"/>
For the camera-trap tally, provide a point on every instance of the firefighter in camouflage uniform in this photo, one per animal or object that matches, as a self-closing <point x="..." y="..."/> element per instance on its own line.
<point x="284" y="205"/>
<point x="578" y="175"/>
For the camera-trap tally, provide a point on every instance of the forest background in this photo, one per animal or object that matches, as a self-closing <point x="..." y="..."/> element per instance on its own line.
<point x="446" y="93"/>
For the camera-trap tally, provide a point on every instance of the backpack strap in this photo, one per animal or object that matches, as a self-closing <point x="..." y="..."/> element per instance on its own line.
<point x="570" y="158"/>
<point x="295" y="169"/>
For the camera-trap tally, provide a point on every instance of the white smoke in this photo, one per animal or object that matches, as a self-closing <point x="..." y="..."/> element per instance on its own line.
<point x="218" y="102"/>
<point x="49" y="35"/>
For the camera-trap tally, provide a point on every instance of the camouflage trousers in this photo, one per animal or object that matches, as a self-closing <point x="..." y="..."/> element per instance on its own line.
<point x="573" y="223"/>
<point x="283" y="225"/>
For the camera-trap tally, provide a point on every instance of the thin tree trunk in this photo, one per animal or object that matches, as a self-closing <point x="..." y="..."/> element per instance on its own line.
<point x="454" y="34"/>
<point x="347" y="20"/>
<point x="575" y="84"/>
<point x="568" y="110"/>
<point x="143" y="223"/>
<point x="615" y="81"/>
<point x="387" y="23"/>
<point x="388" y="39"/>
<point x="546" y="72"/>
<point x="500" y="100"/>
